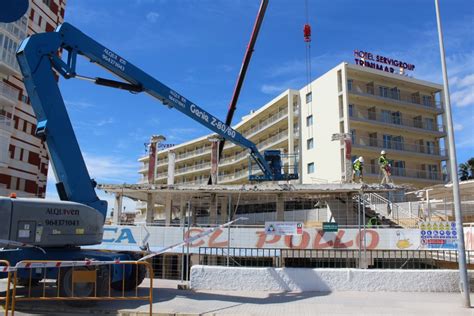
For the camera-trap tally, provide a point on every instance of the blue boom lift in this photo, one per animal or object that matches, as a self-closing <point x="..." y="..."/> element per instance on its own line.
<point x="61" y="227"/>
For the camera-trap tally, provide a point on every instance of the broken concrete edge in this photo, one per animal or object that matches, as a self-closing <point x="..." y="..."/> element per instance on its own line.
<point x="126" y="189"/>
<point x="216" y="278"/>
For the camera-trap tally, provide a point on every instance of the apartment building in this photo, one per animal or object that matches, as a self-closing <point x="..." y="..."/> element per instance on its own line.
<point x="23" y="156"/>
<point x="373" y="109"/>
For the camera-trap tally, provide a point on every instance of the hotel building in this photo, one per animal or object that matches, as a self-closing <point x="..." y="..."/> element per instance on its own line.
<point x="374" y="109"/>
<point x="23" y="156"/>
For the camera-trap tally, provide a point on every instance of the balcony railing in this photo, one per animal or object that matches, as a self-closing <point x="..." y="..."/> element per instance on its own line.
<point x="401" y="146"/>
<point x="402" y="122"/>
<point x="262" y="125"/>
<point x="7" y="91"/>
<point x="193" y="153"/>
<point x="186" y="169"/>
<point x="372" y="169"/>
<point x="265" y="123"/>
<point x="6" y="123"/>
<point x="10" y="36"/>
<point x="400" y="97"/>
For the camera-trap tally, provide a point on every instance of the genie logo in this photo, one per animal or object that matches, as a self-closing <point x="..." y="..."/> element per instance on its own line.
<point x="120" y="236"/>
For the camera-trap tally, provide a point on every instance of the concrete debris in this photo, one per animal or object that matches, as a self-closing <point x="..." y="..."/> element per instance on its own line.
<point x="139" y="191"/>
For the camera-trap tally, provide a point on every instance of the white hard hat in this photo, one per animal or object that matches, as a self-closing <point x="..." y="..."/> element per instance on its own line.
<point x="361" y="159"/>
<point x="383" y="152"/>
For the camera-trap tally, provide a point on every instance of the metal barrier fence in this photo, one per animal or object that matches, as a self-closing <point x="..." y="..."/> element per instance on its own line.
<point x="78" y="284"/>
<point x="332" y="258"/>
<point x="4" y="266"/>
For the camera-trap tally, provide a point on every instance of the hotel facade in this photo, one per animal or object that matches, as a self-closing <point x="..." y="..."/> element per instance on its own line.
<point x="23" y="156"/>
<point x="349" y="111"/>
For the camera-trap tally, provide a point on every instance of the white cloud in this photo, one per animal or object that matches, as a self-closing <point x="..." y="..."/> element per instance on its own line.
<point x="458" y="127"/>
<point x="102" y="169"/>
<point x="463" y="97"/>
<point x="279" y="87"/>
<point x="111" y="169"/>
<point x="179" y="134"/>
<point x="273" y="89"/>
<point x="103" y="122"/>
<point x="152" y="16"/>
<point x="467" y="142"/>
<point x="79" y="104"/>
<point x="463" y="82"/>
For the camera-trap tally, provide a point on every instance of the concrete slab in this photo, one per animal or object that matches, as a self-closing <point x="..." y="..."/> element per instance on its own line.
<point x="168" y="300"/>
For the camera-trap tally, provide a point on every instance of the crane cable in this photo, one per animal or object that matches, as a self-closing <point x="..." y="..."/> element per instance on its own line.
<point x="307" y="39"/>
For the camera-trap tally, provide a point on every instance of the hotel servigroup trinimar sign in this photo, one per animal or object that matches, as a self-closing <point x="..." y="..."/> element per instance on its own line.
<point x="379" y="62"/>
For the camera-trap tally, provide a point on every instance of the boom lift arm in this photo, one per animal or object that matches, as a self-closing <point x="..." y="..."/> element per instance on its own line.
<point x="38" y="55"/>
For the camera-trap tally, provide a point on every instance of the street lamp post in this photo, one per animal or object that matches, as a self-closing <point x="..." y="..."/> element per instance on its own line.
<point x="453" y="165"/>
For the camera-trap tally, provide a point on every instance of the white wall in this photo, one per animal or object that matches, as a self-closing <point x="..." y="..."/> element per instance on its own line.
<point x="322" y="280"/>
<point x="325" y="110"/>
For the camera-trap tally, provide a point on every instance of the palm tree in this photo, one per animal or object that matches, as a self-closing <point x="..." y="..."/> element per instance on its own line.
<point x="466" y="170"/>
<point x="470" y="163"/>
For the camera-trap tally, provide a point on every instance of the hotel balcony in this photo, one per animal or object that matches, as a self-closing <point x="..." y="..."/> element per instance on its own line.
<point x="394" y="95"/>
<point x="246" y="133"/>
<point x="403" y="148"/>
<point x="11" y="34"/>
<point x="406" y="173"/>
<point x="8" y="94"/>
<point x="413" y="125"/>
<point x="199" y="168"/>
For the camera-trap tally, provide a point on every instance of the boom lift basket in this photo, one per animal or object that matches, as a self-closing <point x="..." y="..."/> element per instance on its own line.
<point x="284" y="167"/>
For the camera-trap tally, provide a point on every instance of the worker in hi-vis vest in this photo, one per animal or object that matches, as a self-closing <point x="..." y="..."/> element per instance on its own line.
<point x="358" y="169"/>
<point x="385" y="168"/>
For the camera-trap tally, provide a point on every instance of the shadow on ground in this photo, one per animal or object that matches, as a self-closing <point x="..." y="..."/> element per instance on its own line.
<point x="164" y="298"/>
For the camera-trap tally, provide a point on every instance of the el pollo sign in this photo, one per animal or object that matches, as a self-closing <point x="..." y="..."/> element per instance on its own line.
<point x="129" y="237"/>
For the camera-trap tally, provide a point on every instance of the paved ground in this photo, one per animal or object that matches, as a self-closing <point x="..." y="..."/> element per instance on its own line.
<point x="168" y="300"/>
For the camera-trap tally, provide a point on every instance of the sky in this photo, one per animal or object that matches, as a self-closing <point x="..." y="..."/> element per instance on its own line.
<point x="196" y="48"/>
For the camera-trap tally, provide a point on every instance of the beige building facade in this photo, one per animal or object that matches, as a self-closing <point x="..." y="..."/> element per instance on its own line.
<point x="372" y="109"/>
<point x="23" y="156"/>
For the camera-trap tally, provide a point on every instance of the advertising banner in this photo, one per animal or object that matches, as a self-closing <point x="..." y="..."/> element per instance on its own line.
<point x="283" y="228"/>
<point x="133" y="237"/>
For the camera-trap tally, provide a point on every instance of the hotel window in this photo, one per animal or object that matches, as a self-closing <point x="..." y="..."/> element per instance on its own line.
<point x="387" y="141"/>
<point x="309" y="120"/>
<point x="429" y="123"/>
<point x="427" y="100"/>
<point x="310" y="143"/>
<point x="386" y="116"/>
<point x="383" y="91"/>
<point x="349" y="84"/>
<point x="430" y="147"/>
<point x="399" y="168"/>
<point x="311" y="167"/>
<point x="397" y="118"/>
<point x="372" y="112"/>
<point x="395" y="93"/>
<point x="433" y="172"/>
<point x="309" y="97"/>
<point x="417" y="122"/>
<point x="398" y="142"/>
<point x="351" y="110"/>
<point x="353" y="136"/>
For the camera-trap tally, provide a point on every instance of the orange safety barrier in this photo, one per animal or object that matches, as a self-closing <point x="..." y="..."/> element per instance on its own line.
<point x="4" y="267"/>
<point x="79" y="283"/>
